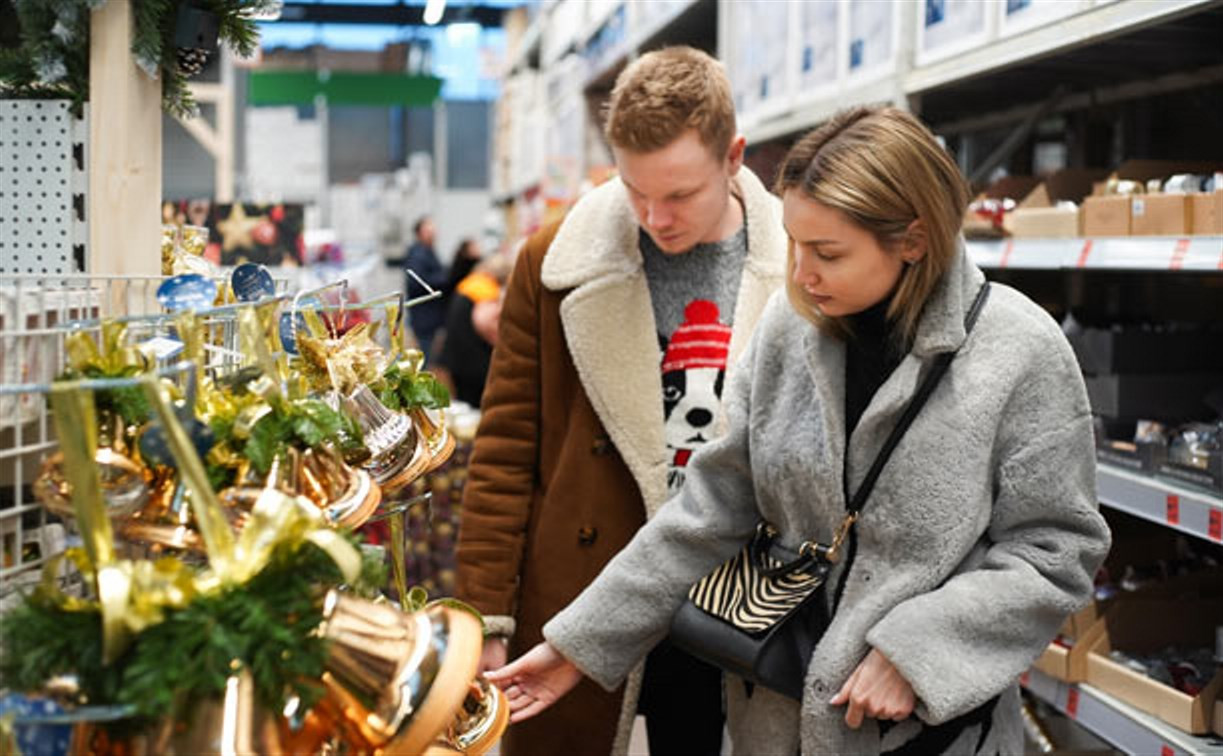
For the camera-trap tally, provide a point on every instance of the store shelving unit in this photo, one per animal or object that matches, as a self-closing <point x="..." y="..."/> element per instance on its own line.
<point x="992" y="66"/>
<point x="1128" y="729"/>
<point x="1167" y="502"/>
<point x="1149" y="253"/>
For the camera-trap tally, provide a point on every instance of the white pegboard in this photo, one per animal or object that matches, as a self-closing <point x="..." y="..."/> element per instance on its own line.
<point x="42" y="187"/>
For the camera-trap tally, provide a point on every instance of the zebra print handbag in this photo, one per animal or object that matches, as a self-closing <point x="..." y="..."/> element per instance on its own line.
<point x="761" y="614"/>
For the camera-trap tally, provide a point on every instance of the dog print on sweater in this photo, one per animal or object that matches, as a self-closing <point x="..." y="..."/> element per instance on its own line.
<point x="693" y="371"/>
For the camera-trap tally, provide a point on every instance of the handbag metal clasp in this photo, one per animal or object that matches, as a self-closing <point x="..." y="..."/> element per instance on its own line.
<point x="833" y="554"/>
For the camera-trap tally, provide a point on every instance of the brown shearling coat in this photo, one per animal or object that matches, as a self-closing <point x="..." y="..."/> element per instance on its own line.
<point x="570" y="458"/>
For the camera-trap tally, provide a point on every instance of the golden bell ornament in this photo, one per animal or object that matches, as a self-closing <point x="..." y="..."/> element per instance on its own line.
<point x="234" y="724"/>
<point x="395" y="681"/>
<point x="480" y="720"/>
<point x="125" y="485"/>
<point x="438" y="439"/>
<point x="398" y="453"/>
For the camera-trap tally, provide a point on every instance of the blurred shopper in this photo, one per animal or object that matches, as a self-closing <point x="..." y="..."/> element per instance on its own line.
<point x="471" y="328"/>
<point x="426" y="317"/>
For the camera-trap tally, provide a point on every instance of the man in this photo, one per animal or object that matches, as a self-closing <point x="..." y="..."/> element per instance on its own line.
<point x="582" y="438"/>
<point x="425" y="317"/>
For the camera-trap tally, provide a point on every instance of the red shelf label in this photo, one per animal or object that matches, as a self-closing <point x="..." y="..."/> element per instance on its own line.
<point x="1072" y="703"/>
<point x="1178" y="254"/>
<point x="1006" y="253"/>
<point x="1174" y="509"/>
<point x="1085" y="252"/>
<point x="1215" y="528"/>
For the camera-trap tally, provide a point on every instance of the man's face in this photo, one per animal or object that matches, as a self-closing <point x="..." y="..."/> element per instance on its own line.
<point x="681" y="193"/>
<point x="426" y="232"/>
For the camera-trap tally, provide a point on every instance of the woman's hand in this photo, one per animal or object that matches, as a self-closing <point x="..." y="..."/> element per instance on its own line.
<point x="535" y="681"/>
<point x="875" y="689"/>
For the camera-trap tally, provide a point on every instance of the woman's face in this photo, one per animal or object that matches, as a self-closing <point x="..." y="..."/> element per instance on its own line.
<point x="840" y="265"/>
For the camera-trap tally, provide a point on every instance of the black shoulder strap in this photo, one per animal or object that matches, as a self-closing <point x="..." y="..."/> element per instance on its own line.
<point x="941" y="363"/>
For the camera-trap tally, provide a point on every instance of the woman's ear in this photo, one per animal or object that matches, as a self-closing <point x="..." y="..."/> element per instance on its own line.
<point x="913" y="246"/>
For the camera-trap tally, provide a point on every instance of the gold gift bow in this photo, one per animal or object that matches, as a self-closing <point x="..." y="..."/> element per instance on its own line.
<point x="343" y="364"/>
<point x="114" y="358"/>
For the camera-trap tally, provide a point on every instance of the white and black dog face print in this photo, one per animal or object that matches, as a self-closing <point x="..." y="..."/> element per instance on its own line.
<point x="693" y="371"/>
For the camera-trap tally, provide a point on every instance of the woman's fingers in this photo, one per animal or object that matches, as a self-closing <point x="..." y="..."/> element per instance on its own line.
<point x="526" y="712"/>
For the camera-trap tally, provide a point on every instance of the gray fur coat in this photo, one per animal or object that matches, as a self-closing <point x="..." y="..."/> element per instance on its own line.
<point x="981" y="535"/>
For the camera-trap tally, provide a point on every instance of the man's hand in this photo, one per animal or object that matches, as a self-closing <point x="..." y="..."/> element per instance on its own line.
<point x="535" y="681"/>
<point x="494" y="655"/>
<point x="875" y="689"/>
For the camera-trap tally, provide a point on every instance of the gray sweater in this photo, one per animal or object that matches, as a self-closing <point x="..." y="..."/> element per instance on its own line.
<point x="981" y="535"/>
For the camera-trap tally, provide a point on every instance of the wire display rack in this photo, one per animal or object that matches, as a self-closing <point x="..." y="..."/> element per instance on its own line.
<point x="37" y="314"/>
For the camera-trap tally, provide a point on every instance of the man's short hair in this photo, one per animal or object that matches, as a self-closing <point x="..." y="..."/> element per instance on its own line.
<point x="664" y="93"/>
<point x="421" y="221"/>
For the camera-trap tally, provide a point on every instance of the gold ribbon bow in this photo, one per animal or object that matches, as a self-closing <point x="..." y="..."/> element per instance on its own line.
<point x="115" y="358"/>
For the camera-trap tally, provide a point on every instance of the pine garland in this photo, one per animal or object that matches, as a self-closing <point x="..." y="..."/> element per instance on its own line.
<point x="53" y="58"/>
<point x="267" y="624"/>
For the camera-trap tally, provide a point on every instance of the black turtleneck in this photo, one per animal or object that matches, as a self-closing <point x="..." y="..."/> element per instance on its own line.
<point x="871" y="354"/>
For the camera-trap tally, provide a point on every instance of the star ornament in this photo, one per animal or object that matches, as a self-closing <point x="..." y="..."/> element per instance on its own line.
<point x="237" y="227"/>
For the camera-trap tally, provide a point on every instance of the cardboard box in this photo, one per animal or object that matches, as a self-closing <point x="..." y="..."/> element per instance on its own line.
<point x="1038" y="216"/>
<point x="1070" y="664"/>
<point x="1110" y="215"/>
<point x="1207" y="213"/>
<point x="1106" y="216"/>
<point x="1145" y="626"/>
<point x="1161" y="215"/>
<point x="1007" y="187"/>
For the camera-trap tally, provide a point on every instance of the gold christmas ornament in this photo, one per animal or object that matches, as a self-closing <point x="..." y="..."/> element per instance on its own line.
<point x="438" y="439"/>
<point x="480" y="720"/>
<point x="398" y="454"/>
<point x="395" y="681"/>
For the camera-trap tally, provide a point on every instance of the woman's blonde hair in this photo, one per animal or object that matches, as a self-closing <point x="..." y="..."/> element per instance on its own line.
<point x="883" y="169"/>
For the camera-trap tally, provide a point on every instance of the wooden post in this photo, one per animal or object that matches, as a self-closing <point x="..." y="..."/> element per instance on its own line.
<point x="124" y="203"/>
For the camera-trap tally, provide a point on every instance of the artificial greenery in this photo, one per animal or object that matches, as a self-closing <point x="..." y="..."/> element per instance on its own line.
<point x="404" y="389"/>
<point x="305" y="423"/>
<point x="129" y="402"/>
<point x="52" y="60"/>
<point x="267" y="624"/>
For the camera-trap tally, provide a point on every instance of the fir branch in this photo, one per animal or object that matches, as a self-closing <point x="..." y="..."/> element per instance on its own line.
<point x="267" y="624"/>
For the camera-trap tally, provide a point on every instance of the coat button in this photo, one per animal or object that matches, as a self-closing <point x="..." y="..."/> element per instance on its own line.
<point x="601" y="446"/>
<point x="587" y="535"/>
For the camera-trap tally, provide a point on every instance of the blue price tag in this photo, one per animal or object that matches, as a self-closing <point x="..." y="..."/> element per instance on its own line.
<point x="190" y="291"/>
<point x="252" y="282"/>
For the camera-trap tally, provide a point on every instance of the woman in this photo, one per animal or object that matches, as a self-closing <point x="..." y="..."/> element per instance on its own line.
<point x="982" y="532"/>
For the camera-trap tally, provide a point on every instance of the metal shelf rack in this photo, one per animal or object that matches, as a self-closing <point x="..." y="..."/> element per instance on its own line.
<point x="1130" y="730"/>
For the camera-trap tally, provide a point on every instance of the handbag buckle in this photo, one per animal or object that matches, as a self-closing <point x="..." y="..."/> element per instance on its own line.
<point x="833" y="554"/>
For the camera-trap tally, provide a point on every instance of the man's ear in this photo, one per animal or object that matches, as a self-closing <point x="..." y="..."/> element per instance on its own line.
<point x="734" y="156"/>
<point x="915" y="243"/>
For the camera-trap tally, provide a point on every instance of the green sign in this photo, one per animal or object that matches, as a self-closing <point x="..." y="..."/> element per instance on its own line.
<point x="342" y="88"/>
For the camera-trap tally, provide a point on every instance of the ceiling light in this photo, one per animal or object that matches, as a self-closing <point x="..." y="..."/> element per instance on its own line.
<point x="433" y="11"/>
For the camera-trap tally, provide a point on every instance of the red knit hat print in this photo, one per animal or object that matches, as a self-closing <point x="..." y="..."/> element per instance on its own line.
<point x="700" y="341"/>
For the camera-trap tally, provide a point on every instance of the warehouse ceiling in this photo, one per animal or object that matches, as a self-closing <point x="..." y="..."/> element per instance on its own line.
<point x="398" y="14"/>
